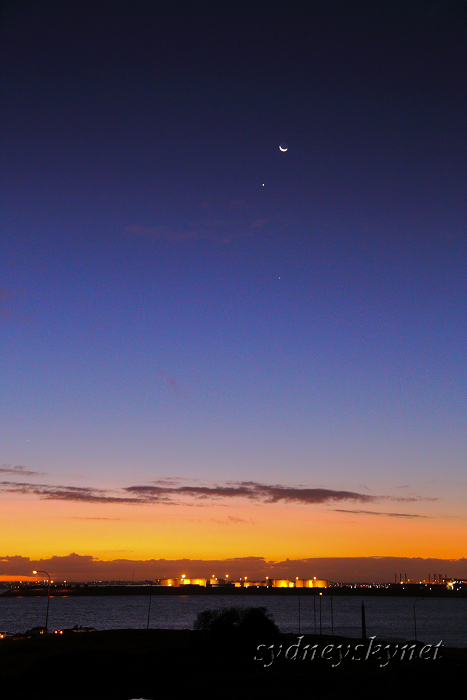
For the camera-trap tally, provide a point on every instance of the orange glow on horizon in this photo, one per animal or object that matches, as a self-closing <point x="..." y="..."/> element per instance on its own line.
<point x="11" y="577"/>
<point x="221" y="530"/>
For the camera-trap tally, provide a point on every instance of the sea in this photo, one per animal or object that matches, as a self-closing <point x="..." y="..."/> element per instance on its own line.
<point x="430" y="620"/>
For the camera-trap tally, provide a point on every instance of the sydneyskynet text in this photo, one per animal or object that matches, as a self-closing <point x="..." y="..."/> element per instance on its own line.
<point x="336" y="653"/>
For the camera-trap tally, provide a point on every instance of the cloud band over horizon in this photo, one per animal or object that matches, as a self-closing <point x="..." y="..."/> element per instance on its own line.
<point x="343" y="569"/>
<point x="163" y="492"/>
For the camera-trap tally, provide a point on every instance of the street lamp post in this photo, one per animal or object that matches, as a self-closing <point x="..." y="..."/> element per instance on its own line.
<point x="314" y="610"/>
<point x="299" y="613"/>
<point x="48" y="597"/>
<point x="320" y="625"/>
<point x="415" y="616"/>
<point x="149" y="606"/>
<point x="332" y="619"/>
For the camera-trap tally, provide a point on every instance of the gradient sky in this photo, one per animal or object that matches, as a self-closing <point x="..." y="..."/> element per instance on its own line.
<point x="210" y="348"/>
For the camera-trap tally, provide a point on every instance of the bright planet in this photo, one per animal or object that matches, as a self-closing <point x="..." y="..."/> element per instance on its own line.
<point x="283" y="147"/>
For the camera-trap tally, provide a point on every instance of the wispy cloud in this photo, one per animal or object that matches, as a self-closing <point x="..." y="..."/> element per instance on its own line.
<point x="80" y="517"/>
<point x="8" y="297"/>
<point x="169" y="492"/>
<point x="171" y="382"/>
<point x="169" y="481"/>
<point x="232" y="520"/>
<point x="19" y="470"/>
<point x="258" y="492"/>
<point x="67" y="493"/>
<point x="168" y="234"/>
<point x="376" y="512"/>
<point x="225" y="223"/>
<point x="5" y="295"/>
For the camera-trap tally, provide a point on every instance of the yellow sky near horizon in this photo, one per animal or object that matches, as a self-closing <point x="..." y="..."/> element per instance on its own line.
<point x="216" y="530"/>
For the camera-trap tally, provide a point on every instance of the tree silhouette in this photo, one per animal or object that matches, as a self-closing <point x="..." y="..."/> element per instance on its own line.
<point x="247" y="622"/>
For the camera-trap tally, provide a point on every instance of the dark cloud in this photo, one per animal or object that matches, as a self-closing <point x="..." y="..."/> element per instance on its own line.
<point x="172" y="494"/>
<point x="274" y="494"/>
<point x="257" y="492"/>
<point x="66" y="493"/>
<point x="199" y="492"/>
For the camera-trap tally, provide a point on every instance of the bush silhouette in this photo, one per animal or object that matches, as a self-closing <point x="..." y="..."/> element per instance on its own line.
<point x="246" y="622"/>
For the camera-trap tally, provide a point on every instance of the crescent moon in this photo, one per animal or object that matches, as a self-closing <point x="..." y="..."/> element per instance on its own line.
<point x="282" y="149"/>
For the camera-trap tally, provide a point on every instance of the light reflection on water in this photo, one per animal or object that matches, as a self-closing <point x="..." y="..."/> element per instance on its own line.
<point x="392" y="618"/>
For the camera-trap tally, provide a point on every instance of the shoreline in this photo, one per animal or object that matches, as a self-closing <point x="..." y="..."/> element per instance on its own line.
<point x="88" y="590"/>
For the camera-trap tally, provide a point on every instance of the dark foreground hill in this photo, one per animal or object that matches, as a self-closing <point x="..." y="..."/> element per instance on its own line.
<point x="125" y="664"/>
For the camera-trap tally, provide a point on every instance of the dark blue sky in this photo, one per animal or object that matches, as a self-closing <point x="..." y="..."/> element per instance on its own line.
<point x="181" y="299"/>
